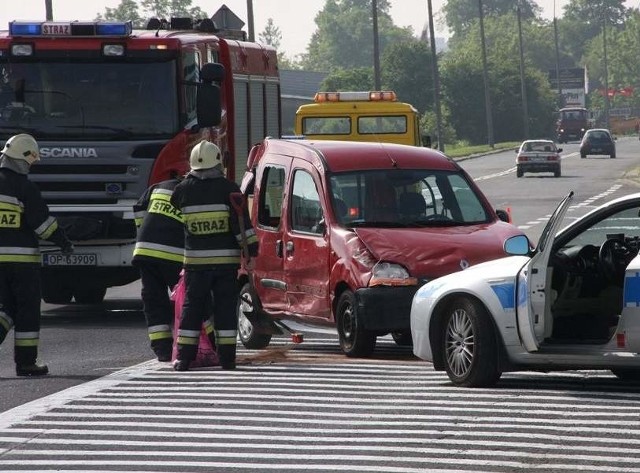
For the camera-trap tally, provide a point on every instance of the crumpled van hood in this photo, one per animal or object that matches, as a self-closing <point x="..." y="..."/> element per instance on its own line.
<point x="433" y="252"/>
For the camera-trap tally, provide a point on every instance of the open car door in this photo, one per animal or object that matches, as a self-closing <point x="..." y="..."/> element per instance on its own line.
<point x="532" y="282"/>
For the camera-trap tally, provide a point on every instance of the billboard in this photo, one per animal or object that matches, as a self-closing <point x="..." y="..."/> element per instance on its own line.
<point x="572" y="84"/>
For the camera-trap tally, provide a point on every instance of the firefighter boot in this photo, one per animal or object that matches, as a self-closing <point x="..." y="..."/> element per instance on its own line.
<point x="32" y="369"/>
<point x="227" y="356"/>
<point x="181" y="365"/>
<point x="162" y="349"/>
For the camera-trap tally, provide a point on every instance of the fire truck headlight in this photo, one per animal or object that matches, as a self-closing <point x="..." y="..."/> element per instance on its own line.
<point x="22" y="49"/>
<point x="113" y="50"/>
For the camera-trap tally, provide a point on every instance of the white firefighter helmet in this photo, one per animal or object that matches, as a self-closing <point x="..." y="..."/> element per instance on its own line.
<point x="205" y="155"/>
<point x="23" y="147"/>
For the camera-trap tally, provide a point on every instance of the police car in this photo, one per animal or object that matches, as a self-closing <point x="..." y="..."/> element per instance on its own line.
<point x="573" y="302"/>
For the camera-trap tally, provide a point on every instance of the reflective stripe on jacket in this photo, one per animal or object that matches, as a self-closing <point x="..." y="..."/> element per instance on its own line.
<point x="24" y="218"/>
<point x="160" y="227"/>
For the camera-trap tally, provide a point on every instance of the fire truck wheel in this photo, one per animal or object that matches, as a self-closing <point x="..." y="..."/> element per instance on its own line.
<point x="90" y="294"/>
<point x="55" y="293"/>
<point x="355" y="340"/>
<point x="249" y="304"/>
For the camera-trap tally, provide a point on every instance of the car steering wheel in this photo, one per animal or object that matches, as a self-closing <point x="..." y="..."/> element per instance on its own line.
<point x="613" y="257"/>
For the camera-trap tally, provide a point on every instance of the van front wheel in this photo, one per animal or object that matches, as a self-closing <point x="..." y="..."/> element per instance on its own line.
<point x="248" y="310"/>
<point x="355" y="340"/>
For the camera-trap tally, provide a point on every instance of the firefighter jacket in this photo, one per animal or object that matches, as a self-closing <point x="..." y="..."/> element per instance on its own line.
<point x="24" y="217"/>
<point x="212" y="231"/>
<point x="160" y="227"/>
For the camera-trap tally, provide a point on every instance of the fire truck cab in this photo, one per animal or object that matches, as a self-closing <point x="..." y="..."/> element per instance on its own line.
<point x="114" y="110"/>
<point x="360" y="116"/>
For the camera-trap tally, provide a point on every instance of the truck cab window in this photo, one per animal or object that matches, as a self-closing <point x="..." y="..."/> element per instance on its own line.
<point x="190" y="74"/>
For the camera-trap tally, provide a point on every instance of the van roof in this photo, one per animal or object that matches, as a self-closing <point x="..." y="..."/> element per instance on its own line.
<point x="341" y="156"/>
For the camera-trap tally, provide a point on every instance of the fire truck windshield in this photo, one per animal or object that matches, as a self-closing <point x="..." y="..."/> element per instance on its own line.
<point x="89" y="100"/>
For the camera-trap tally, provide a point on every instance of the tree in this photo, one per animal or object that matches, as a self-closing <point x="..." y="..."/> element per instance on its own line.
<point x="344" y="35"/>
<point x="460" y="15"/>
<point x="623" y="66"/>
<point x="463" y="86"/>
<point x="359" y="78"/>
<point x="272" y="36"/>
<point x="126" y="11"/>
<point x="406" y="69"/>
<point x="582" y="21"/>
<point x="129" y="10"/>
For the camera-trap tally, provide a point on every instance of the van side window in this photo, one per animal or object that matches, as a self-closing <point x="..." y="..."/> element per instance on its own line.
<point x="306" y="211"/>
<point x="270" y="203"/>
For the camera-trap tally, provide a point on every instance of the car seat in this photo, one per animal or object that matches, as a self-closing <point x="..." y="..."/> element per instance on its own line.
<point x="412" y="205"/>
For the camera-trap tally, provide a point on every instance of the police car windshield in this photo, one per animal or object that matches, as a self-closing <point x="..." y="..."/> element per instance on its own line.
<point x="76" y="100"/>
<point x="406" y="198"/>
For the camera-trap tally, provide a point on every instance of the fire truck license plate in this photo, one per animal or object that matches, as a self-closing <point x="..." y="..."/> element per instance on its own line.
<point x="57" y="259"/>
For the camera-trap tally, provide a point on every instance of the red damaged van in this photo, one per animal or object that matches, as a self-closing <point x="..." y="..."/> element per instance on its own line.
<point x="348" y="232"/>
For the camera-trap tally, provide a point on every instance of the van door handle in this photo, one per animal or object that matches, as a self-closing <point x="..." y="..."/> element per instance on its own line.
<point x="289" y="248"/>
<point x="279" y="248"/>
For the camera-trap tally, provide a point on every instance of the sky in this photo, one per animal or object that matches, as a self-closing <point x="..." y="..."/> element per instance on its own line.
<point x="295" y="18"/>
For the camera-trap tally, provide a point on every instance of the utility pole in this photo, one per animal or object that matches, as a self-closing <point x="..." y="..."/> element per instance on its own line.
<point x="523" y="84"/>
<point x="376" y="46"/>
<point x="485" y="75"/>
<point x="606" y="72"/>
<point x="436" y="79"/>
<point x="48" y="7"/>
<point x="555" y="33"/>
<point x="252" y="36"/>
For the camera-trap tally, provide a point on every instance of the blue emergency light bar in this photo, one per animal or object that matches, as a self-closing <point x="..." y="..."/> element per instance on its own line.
<point x="70" y="28"/>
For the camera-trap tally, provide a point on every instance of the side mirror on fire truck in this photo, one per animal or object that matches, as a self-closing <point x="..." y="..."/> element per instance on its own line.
<point x="208" y="102"/>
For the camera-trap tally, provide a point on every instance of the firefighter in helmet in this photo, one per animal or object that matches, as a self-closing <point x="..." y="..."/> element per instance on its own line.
<point x="24" y="218"/>
<point x="211" y="254"/>
<point x="158" y="255"/>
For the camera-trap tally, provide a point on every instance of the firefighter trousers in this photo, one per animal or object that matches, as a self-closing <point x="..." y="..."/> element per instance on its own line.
<point x="158" y="279"/>
<point x="201" y="285"/>
<point x="20" y="294"/>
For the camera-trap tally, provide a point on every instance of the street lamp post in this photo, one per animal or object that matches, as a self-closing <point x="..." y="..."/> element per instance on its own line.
<point x="523" y="84"/>
<point x="606" y="72"/>
<point x="252" y="36"/>
<point x="555" y="34"/>
<point x="485" y="75"/>
<point x="48" y="7"/>
<point x="376" y="46"/>
<point x="436" y="79"/>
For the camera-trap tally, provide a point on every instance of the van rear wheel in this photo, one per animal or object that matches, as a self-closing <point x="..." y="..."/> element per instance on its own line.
<point x="355" y="340"/>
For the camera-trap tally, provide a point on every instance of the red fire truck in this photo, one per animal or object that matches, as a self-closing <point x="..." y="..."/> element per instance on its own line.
<point x="115" y="110"/>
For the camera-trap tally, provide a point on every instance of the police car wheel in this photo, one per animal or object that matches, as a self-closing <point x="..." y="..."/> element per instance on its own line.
<point x="355" y="340"/>
<point x="469" y="345"/>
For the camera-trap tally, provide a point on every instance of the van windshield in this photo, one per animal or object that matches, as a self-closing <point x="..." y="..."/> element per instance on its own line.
<point x="400" y="198"/>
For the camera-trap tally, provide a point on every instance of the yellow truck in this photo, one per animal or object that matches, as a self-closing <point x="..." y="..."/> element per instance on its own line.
<point x="360" y="116"/>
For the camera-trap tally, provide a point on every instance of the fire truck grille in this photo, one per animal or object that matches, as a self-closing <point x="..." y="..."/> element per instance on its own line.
<point x="91" y="169"/>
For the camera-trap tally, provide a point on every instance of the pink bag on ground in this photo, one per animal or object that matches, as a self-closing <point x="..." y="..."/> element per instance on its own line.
<point x="207" y="355"/>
